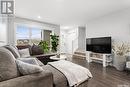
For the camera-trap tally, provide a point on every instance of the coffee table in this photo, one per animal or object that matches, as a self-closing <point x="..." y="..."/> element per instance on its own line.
<point x="62" y="57"/>
<point x="45" y="58"/>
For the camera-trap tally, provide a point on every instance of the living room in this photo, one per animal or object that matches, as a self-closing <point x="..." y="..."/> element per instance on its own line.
<point x="39" y="40"/>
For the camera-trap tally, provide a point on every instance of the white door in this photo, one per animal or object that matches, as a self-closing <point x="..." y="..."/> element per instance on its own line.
<point x="63" y="42"/>
<point x="70" y="37"/>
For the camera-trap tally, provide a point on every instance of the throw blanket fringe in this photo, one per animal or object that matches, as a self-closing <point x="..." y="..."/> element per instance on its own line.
<point x="74" y="73"/>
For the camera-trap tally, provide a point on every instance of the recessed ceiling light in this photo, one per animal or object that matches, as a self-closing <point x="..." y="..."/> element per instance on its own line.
<point x="39" y="17"/>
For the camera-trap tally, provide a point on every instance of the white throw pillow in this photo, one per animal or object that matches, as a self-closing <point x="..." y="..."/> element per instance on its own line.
<point x="29" y="60"/>
<point x="33" y="61"/>
<point x="24" y="52"/>
<point x="26" y="68"/>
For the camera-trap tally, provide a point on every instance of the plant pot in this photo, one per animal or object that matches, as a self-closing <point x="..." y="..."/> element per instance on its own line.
<point x="119" y="62"/>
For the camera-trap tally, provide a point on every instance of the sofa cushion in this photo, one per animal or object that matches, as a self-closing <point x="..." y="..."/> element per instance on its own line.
<point x="26" y="68"/>
<point x="24" y="52"/>
<point x="13" y="50"/>
<point x="8" y="67"/>
<point x="36" y="50"/>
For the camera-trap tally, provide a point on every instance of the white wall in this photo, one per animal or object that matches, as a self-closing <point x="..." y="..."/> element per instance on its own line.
<point x="116" y="24"/>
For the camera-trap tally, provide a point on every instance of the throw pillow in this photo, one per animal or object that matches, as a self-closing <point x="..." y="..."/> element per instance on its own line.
<point x="8" y="67"/>
<point x="33" y="61"/>
<point x="24" y="52"/>
<point x="20" y="47"/>
<point x="36" y="50"/>
<point x="26" y="68"/>
<point x="13" y="50"/>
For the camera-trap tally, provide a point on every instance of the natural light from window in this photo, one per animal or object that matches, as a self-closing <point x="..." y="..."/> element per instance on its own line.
<point x="28" y="35"/>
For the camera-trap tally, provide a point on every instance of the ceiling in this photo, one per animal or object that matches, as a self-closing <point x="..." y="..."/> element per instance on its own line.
<point x="67" y="12"/>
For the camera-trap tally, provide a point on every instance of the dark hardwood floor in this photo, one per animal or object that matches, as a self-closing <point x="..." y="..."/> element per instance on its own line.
<point x="104" y="77"/>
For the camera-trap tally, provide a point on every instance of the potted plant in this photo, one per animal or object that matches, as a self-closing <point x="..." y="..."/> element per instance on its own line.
<point x="44" y="45"/>
<point x="54" y="42"/>
<point x="120" y="50"/>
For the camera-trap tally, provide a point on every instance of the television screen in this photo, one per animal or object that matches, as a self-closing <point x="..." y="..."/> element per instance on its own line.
<point x="99" y="45"/>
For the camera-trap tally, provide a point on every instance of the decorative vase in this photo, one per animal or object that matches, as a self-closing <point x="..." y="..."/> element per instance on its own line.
<point x="119" y="62"/>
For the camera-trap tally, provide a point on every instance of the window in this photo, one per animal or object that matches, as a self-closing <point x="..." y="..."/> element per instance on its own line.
<point x="28" y="35"/>
<point x="36" y="35"/>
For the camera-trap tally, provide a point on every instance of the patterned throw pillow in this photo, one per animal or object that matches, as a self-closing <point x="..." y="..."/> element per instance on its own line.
<point x="33" y="61"/>
<point x="24" y="52"/>
<point x="26" y="68"/>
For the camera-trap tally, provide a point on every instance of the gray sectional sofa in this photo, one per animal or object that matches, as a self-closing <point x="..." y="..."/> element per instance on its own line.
<point x="11" y="77"/>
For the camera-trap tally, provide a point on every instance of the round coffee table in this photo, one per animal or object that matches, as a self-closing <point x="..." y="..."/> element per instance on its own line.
<point x="62" y="57"/>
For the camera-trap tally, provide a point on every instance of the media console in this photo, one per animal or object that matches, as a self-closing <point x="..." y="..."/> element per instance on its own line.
<point x="106" y="59"/>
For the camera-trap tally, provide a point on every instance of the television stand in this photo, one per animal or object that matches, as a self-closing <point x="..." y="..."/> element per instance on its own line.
<point x="106" y="59"/>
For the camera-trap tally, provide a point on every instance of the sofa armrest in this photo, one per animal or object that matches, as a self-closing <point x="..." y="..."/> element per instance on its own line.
<point x="43" y="79"/>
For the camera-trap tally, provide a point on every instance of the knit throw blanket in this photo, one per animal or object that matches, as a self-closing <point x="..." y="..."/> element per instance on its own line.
<point x="74" y="73"/>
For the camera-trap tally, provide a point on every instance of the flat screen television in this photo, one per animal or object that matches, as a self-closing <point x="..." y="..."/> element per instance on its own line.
<point x="99" y="45"/>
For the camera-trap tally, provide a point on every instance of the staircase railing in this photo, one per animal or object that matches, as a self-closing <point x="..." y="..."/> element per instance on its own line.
<point x="74" y="45"/>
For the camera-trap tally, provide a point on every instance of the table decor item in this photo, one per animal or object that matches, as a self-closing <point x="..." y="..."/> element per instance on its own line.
<point x="120" y="50"/>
